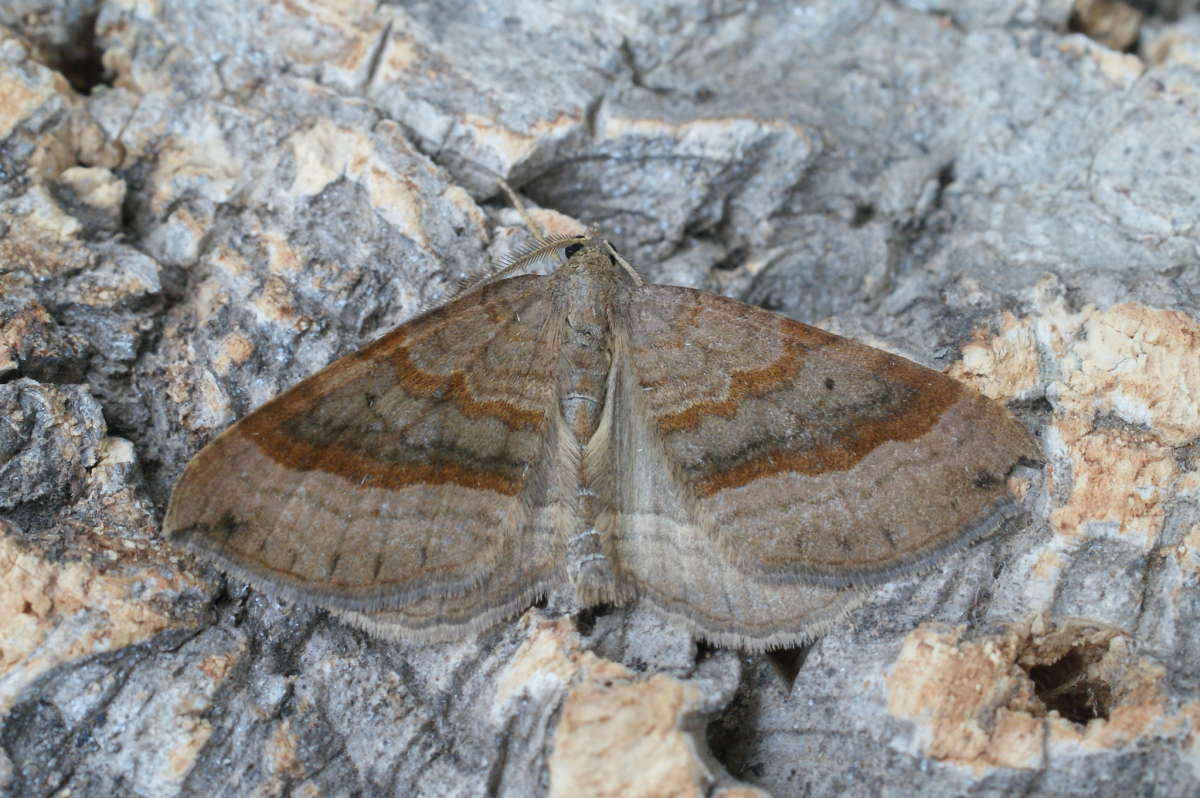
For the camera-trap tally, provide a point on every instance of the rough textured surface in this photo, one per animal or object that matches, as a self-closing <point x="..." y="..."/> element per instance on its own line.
<point x="201" y="203"/>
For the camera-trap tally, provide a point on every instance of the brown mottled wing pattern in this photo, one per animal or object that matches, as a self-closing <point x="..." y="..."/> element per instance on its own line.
<point x="407" y="474"/>
<point x="668" y="558"/>
<point x="803" y="458"/>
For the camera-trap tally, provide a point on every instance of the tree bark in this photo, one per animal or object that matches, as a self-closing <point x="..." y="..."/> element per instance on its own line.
<point x="202" y="203"/>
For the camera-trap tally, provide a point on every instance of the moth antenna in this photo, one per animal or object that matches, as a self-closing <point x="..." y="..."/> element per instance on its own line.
<point x="469" y="284"/>
<point x="544" y="248"/>
<point x="523" y="257"/>
<point x="520" y="206"/>
<point x="626" y="265"/>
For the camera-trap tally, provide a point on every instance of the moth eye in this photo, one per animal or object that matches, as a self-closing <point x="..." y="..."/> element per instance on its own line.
<point x="571" y="249"/>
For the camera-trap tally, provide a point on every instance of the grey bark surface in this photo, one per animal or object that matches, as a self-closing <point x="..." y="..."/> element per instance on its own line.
<point x="202" y="203"/>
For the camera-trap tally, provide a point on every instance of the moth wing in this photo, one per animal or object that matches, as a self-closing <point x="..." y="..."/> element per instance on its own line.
<point x="407" y="471"/>
<point x="804" y="457"/>
<point x="670" y="558"/>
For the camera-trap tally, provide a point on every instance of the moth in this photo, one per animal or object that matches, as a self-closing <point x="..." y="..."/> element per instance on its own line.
<point x="585" y="431"/>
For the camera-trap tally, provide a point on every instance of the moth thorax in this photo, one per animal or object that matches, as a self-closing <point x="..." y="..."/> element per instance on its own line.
<point x="585" y="356"/>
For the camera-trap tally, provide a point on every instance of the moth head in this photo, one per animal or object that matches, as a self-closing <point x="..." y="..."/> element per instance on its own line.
<point x="558" y="248"/>
<point x="577" y="251"/>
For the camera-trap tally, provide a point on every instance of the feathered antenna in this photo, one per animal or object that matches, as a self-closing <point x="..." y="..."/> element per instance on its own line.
<point x="542" y="247"/>
<point x="525" y="217"/>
